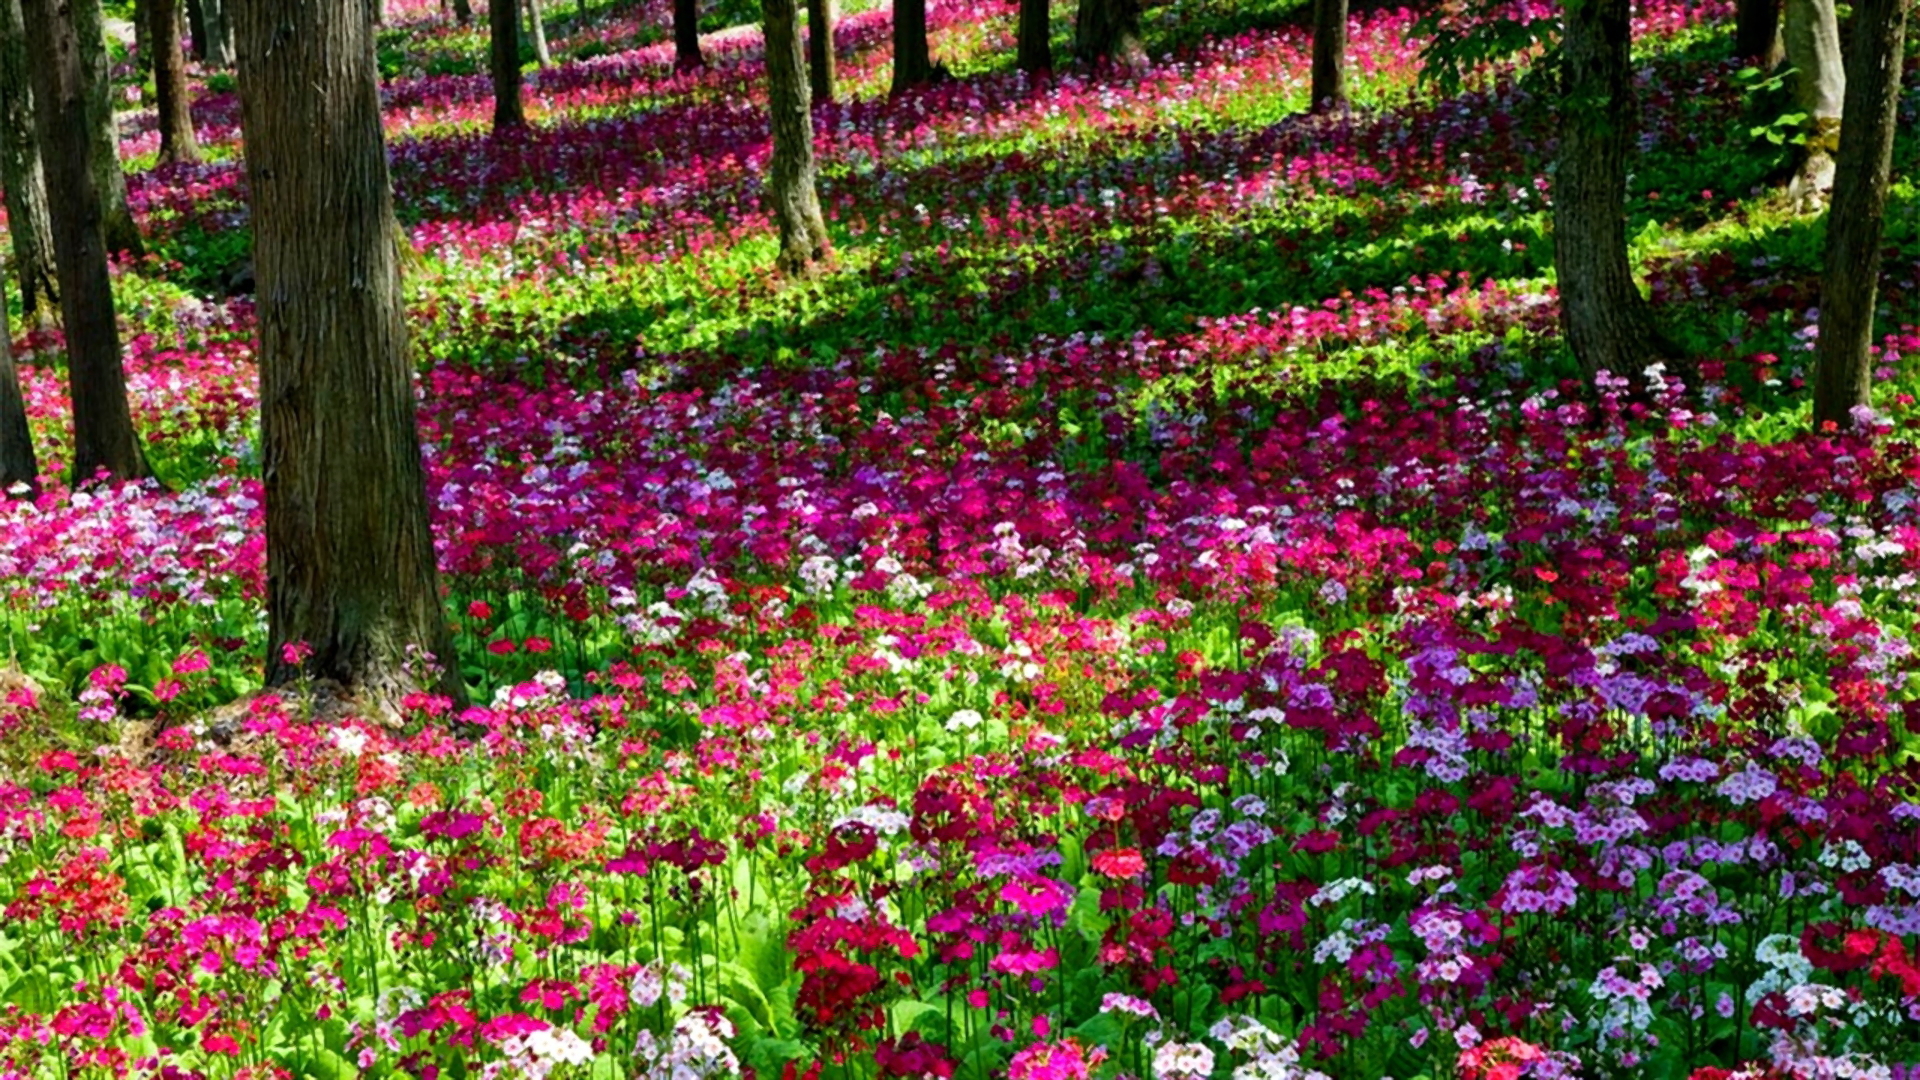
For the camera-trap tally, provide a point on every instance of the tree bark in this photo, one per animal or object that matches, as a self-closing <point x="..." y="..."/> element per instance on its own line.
<point x="197" y="28"/>
<point x="175" y="105"/>
<point x="1329" y="55"/>
<point x="18" y="464"/>
<point x="116" y="218"/>
<point x="1034" y="51"/>
<point x="686" y="35"/>
<point x="537" y="28"/>
<point x="350" y="560"/>
<point x="103" y="436"/>
<point x="1607" y="322"/>
<point x="1819" y="91"/>
<point x="26" y="186"/>
<point x="503" y="22"/>
<point x="1843" y="368"/>
<point x="820" y="57"/>
<point x="791" y="186"/>
<point x="912" y="64"/>
<point x="1756" y="33"/>
<point x="1108" y="32"/>
<point x="217" y="52"/>
<point x="463" y="12"/>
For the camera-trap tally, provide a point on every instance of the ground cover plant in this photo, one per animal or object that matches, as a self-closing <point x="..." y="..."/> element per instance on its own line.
<point x="1162" y="604"/>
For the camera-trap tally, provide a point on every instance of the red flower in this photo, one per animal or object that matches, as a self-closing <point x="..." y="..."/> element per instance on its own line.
<point x="1120" y="863"/>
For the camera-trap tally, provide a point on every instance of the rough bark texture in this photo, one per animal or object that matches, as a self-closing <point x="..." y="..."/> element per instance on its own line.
<point x="217" y="51"/>
<point x="1034" y="52"/>
<point x="686" y="35"/>
<point x="1819" y="91"/>
<point x="503" y="23"/>
<point x="26" y="186"/>
<point x="820" y="57"/>
<point x="175" y="105"/>
<point x="103" y="437"/>
<point x="1329" y="55"/>
<point x="1108" y="32"/>
<point x="1756" y="32"/>
<point x="790" y="188"/>
<point x="1607" y="322"/>
<point x="537" y="29"/>
<point x="116" y="217"/>
<point x="1843" y="369"/>
<point x="912" y="64"/>
<point x="350" y="562"/>
<point x="18" y="465"/>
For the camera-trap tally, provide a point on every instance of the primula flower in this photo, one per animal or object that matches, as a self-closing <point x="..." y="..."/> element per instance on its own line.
<point x="1063" y="1060"/>
<point x="1119" y="863"/>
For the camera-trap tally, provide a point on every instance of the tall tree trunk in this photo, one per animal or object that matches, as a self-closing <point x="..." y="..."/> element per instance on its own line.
<point x="820" y="57"/>
<point x="18" y="465"/>
<point x="537" y="27"/>
<point x="116" y="218"/>
<point x="1329" y="55"/>
<point x="103" y="436"/>
<point x="686" y="35"/>
<point x="197" y="28"/>
<point x="791" y="186"/>
<point x="218" y="50"/>
<point x="350" y="561"/>
<point x="463" y="12"/>
<point x="1843" y="369"/>
<point x="1756" y="33"/>
<point x="177" y="144"/>
<point x="1034" y="53"/>
<point x="1108" y="32"/>
<point x="912" y="64"/>
<point x="1607" y="322"/>
<point x="1819" y="91"/>
<point x="503" y="22"/>
<point x="26" y="186"/>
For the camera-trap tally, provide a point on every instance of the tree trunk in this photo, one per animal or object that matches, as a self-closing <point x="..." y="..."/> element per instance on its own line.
<point x="537" y="27"/>
<point x="1843" y="368"/>
<point x="26" y="186"/>
<point x="350" y="561"/>
<point x="503" y="22"/>
<point x="116" y="218"/>
<point x="463" y="12"/>
<point x="103" y="436"/>
<point x="1108" y="32"/>
<point x="18" y="465"/>
<point x="1034" y="54"/>
<point x="197" y="28"/>
<point x="1607" y="322"/>
<point x="912" y="65"/>
<point x="142" y="41"/>
<point x="790" y="188"/>
<point x="820" y="57"/>
<point x="1756" y="33"/>
<point x="686" y="35"/>
<point x="177" y="144"/>
<point x="218" y="51"/>
<point x="1329" y="55"/>
<point x="1819" y="91"/>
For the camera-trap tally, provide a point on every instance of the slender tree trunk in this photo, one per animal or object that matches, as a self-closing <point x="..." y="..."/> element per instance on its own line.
<point x="503" y="21"/>
<point x="537" y="27"/>
<point x="1034" y="53"/>
<point x="686" y="35"/>
<point x="350" y="561"/>
<point x="1329" y="55"/>
<point x="791" y="187"/>
<point x="1108" y="32"/>
<point x="1608" y="323"/>
<point x="1819" y="91"/>
<point x="1843" y="368"/>
<point x="103" y="436"/>
<point x="116" y="218"/>
<point x="26" y="186"/>
<point x="463" y="12"/>
<point x="820" y="57"/>
<point x="197" y="28"/>
<point x="177" y="144"/>
<point x="912" y="64"/>
<point x="218" y="50"/>
<point x="1756" y="33"/>
<point x="18" y="465"/>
